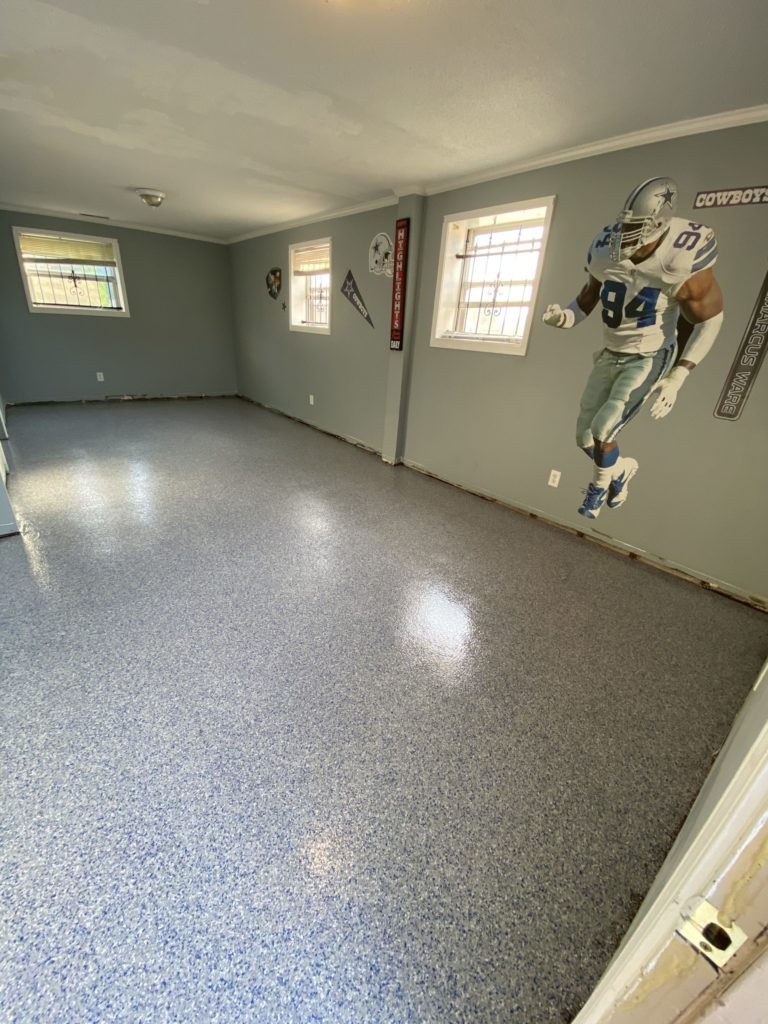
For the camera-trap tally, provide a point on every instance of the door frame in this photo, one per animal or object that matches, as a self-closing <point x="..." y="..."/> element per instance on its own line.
<point x="722" y="850"/>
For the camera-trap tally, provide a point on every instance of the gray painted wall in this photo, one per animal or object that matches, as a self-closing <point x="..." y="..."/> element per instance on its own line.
<point x="493" y="423"/>
<point x="178" y="339"/>
<point x="497" y="424"/>
<point x="346" y="371"/>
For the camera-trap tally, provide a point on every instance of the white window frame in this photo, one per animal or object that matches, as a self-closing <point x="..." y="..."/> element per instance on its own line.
<point x="455" y="229"/>
<point x="296" y="293"/>
<point x="71" y="310"/>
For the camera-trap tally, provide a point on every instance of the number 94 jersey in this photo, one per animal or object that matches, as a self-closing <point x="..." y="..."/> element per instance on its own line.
<point x="638" y="301"/>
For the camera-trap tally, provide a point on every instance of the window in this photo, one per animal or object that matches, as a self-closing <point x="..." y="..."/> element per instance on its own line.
<point x="71" y="273"/>
<point x="490" y="267"/>
<point x="310" y="286"/>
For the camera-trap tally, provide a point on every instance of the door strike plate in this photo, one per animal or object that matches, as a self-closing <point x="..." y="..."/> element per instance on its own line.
<point x="710" y="933"/>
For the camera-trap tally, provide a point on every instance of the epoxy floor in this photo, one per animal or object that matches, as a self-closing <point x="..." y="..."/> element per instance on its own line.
<point x="293" y="736"/>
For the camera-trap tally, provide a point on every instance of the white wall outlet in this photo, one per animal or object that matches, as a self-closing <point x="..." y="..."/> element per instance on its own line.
<point x="99" y="376"/>
<point x="311" y="399"/>
<point x="554" y="478"/>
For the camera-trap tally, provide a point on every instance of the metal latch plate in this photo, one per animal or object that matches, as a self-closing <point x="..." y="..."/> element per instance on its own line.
<point x="710" y="932"/>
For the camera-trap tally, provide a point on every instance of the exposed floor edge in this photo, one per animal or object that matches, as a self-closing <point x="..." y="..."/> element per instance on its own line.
<point x="611" y="544"/>
<point x="122" y="398"/>
<point x="296" y="419"/>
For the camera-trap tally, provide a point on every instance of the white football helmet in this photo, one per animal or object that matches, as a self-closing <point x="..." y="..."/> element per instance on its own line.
<point x="646" y="215"/>
<point x="381" y="259"/>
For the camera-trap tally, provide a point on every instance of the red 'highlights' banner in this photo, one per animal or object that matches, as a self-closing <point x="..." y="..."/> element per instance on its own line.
<point x="402" y="228"/>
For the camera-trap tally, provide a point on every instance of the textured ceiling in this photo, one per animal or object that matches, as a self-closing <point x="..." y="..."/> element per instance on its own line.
<point x="252" y="114"/>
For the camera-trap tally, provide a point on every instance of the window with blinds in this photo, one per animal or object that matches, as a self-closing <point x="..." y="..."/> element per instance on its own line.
<point x="490" y="267"/>
<point x="310" y="286"/>
<point x="71" y="273"/>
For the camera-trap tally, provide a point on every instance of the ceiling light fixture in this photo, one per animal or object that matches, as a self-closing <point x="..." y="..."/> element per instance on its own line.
<point x="151" y="196"/>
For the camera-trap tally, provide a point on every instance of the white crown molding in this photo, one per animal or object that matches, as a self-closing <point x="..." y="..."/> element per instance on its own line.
<point x="349" y="211"/>
<point x="661" y="133"/>
<point x="410" y="190"/>
<point x="39" y="211"/>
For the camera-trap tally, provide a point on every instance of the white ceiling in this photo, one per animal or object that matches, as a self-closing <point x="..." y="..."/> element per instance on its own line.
<point x="252" y="114"/>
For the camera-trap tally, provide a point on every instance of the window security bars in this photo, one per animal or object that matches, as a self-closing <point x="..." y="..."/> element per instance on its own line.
<point x="82" y="285"/>
<point x="317" y="296"/>
<point x="498" y="275"/>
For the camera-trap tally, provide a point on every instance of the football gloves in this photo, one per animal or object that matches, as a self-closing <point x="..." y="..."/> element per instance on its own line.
<point x="666" y="391"/>
<point x="554" y="316"/>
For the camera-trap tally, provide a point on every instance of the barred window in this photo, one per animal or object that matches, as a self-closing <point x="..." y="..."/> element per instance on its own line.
<point x="490" y="266"/>
<point x="65" y="273"/>
<point x="310" y="286"/>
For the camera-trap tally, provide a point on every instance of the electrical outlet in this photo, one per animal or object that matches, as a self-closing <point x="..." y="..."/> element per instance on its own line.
<point x="99" y="376"/>
<point x="554" y="478"/>
<point x="311" y="399"/>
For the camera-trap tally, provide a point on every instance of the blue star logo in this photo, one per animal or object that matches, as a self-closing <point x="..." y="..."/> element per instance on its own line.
<point x="666" y="197"/>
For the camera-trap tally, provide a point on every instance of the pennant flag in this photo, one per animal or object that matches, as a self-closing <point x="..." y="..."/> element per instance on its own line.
<point x="352" y="292"/>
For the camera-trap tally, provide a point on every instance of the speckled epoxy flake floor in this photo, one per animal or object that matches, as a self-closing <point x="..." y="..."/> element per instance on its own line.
<point x="293" y="736"/>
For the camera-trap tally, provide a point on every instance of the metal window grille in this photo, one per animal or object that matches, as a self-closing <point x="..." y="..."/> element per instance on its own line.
<point x="311" y="284"/>
<point x="317" y="295"/>
<point x="84" y="286"/>
<point x="70" y="271"/>
<point x="497" y="280"/>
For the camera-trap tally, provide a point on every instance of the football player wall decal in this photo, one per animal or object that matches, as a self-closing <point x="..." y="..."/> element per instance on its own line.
<point x="651" y="274"/>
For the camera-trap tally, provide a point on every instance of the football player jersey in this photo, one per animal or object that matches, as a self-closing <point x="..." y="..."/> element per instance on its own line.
<point x="638" y="303"/>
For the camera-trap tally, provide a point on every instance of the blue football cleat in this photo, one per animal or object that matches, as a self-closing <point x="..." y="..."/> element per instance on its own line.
<point x="594" y="498"/>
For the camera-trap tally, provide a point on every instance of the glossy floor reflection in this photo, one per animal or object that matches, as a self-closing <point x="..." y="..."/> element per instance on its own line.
<point x="290" y="735"/>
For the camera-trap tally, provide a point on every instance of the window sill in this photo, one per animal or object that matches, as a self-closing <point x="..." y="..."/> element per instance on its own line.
<point x="307" y="329"/>
<point x="76" y="311"/>
<point x="469" y="343"/>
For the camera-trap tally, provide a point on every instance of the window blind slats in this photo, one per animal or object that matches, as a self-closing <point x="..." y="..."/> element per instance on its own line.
<point x="75" y="262"/>
<point x="311" y="261"/>
<point x="69" y="250"/>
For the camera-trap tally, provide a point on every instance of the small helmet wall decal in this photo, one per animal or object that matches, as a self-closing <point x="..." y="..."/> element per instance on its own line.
<point x="380" y="255"/>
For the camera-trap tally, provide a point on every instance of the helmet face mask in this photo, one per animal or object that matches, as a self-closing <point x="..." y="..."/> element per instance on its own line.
<point x="646" y="215"/>
<point x="630" y="234"/>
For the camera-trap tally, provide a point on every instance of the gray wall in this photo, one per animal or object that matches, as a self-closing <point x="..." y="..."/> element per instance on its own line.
<point x="498" y="424"/>
<point x="178" y="339"/>
<point x="346" y="371"/>
<point x="493" y="423"/>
